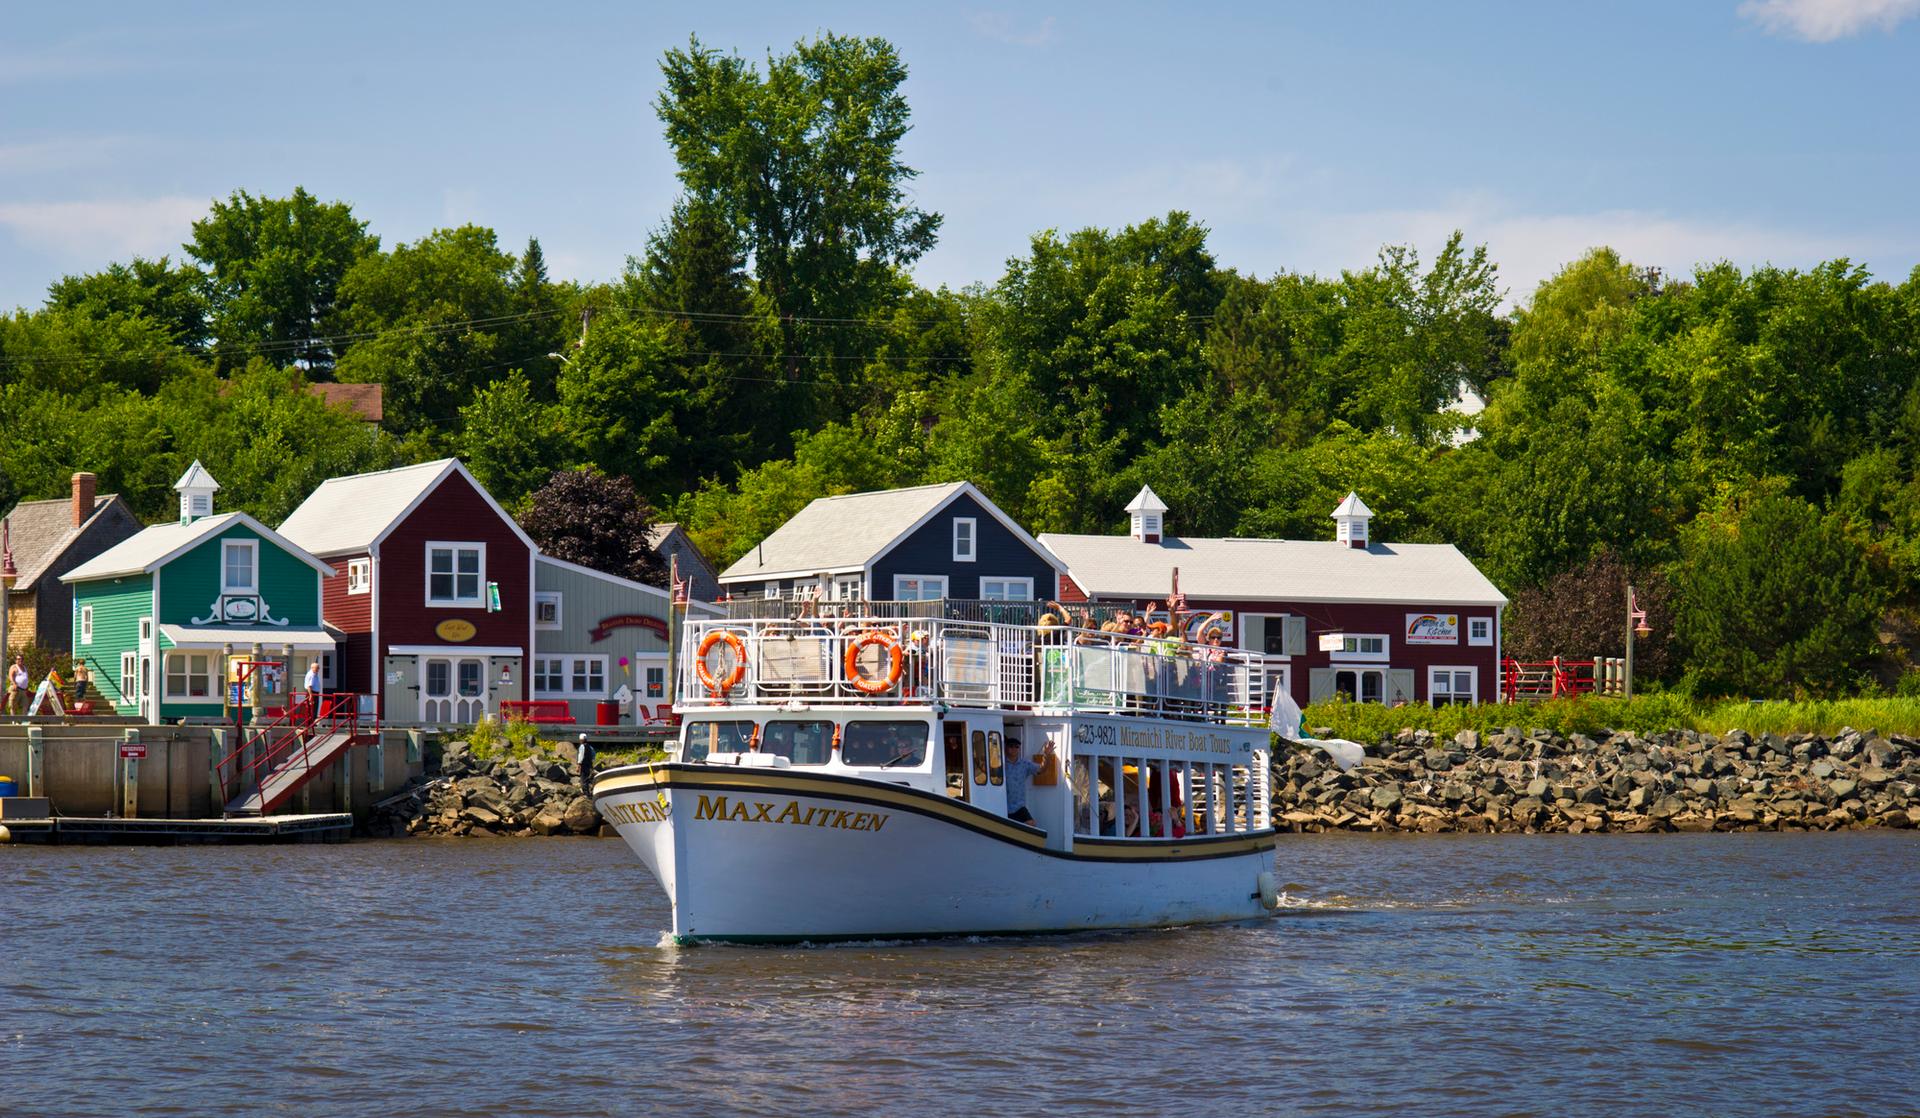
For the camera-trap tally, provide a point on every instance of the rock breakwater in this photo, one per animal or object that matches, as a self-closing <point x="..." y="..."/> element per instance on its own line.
<point x="1676" y="780"/>
<point x="485" y="797"/>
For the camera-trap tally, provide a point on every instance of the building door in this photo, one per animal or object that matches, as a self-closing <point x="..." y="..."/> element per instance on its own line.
<point x="1279" y="680"/>
<point x="652" y="698"/>
<point x="453" y="689"/>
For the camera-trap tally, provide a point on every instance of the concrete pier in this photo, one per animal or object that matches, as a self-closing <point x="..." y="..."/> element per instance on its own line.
<point x="115" y="831"/>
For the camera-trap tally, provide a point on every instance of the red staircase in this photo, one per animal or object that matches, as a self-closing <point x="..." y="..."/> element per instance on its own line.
<point x="293" y="749"/>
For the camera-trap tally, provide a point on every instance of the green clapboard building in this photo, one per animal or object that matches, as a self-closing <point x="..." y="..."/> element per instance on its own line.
<point x="161" y="620"/>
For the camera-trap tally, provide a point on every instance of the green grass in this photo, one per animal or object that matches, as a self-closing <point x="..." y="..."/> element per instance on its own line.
<point x="1368" y="722"/>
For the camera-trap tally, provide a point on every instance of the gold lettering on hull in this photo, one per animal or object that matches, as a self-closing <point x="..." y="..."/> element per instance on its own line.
<point x="640" y="811"/>
<point x="721" y="810"/>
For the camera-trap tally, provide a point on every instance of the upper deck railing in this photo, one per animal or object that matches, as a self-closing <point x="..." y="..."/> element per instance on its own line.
<point x="881" y="658"/>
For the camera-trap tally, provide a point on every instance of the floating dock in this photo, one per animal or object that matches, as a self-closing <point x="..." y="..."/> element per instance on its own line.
<point x="73" y="829"/>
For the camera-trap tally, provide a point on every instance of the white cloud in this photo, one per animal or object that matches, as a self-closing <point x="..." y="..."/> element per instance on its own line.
<point x="1000" y="26"/>
<point x="91" y="233"/>
<point x="1823" y="21"/>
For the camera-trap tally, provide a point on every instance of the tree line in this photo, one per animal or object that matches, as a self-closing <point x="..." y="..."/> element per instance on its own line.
<point x="1739" y="445"/>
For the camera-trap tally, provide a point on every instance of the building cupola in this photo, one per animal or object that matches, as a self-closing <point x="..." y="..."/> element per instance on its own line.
<point x="1148" y="514"/>
<point x="196" y="488"/>
<point x="1350" y="521"/>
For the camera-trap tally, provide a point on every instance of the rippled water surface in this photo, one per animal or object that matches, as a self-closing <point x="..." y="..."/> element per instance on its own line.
<point x="1508" y="975"/>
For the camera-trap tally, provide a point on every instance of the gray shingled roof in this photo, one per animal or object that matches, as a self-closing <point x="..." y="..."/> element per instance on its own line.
<point x="840" y="533"/>
<point x="41" y="532"/>
<point x="148" y="549"/>
<point x="1274" y="570"/>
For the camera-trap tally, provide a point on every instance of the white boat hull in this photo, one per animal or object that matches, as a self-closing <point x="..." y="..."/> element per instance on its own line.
<point x="759" y="855"/>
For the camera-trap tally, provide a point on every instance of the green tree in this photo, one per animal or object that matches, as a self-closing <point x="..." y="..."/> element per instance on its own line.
<point x="510" y="439"/>
<point x="171" y="297"/>
<point x="273" y="267"/>
<point x="804" y="162"/>
<point x="1773" y="599"/>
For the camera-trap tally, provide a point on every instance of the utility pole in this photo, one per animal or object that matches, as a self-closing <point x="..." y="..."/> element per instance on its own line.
<point x="8" y="574"/>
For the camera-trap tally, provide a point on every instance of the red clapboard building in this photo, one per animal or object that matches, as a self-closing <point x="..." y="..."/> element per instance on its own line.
<point x="1377" y="622"/>
<point x="433" y="590"/>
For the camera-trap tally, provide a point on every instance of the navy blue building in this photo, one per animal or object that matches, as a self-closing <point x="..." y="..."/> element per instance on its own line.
<point x="930" y="541"/>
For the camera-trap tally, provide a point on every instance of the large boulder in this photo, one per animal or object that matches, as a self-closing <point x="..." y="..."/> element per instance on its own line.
<point x="580" y="816"/>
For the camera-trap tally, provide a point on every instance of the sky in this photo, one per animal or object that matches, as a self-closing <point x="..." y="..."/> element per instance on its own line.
<point x="1304" y="136"/>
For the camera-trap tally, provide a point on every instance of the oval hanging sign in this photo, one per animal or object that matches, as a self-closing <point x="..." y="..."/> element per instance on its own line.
<point x="455" y="629"/>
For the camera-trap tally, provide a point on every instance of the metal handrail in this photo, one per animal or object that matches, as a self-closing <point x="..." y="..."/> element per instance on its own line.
<point x="302" y="722"/>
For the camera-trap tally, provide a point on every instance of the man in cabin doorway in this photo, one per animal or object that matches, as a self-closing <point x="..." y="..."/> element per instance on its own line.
<point x="1020" y="773"/>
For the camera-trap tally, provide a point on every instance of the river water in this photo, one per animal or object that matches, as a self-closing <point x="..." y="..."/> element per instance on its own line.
<point x="1478" y="975"/>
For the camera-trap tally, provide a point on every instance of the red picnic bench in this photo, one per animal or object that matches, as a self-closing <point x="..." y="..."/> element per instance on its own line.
<point x="536" y="710"/>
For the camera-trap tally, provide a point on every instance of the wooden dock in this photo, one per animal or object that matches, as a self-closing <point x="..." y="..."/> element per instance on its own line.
<point x="73" y="829"/>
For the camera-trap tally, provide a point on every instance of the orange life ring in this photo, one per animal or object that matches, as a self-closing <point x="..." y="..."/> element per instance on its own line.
<point x="720" y="687"/>
<point x="894" y="662"/>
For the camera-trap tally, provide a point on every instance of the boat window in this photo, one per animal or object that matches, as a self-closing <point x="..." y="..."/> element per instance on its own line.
<point x="979" y="756"/>
<point x="955" y="740"/>
<point x="886" y="744"/>
<point x="803" y="743"/>
<point x="708" y="736"/>
<point x="996" y="762"/>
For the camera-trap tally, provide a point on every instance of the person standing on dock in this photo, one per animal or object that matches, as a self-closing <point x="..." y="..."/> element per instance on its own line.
<point x="312" y="685"/>
<point x="17" y="681"/>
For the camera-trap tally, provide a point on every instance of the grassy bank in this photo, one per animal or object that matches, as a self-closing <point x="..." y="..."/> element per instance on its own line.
<point x="1641" y="714"/>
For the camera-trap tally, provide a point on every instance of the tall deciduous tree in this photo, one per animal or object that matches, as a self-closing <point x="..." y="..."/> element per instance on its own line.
<point x="804" y="161"/>
<point x="589" y="518"/>
<point x="274" y="265"/>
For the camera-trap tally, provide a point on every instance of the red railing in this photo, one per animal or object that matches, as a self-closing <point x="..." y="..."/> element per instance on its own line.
<point x="290" y="738"/>
<point x="1534" y="680"/>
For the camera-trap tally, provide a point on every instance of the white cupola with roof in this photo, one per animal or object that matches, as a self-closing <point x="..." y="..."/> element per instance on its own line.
<point x="1148" y="513"/>
<point x="196" y="488"/>
<point x="1350" y="521"/>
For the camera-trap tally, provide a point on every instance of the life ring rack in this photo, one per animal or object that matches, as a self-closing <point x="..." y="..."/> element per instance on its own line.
<point x="896" y="661"/>
<point x="719" y="687"/>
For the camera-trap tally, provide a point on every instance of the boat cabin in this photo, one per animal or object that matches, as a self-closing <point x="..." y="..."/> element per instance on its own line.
<point x="1138" y="738"/>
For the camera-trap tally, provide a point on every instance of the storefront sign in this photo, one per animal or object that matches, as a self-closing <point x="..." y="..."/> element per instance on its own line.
<point x="455" y="630"/>
<point x="607" y="625"/>
<point x="1433" y="628"/>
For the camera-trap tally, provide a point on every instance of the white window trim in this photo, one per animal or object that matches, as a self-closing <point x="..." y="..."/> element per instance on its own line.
<point x="972" y="551"/>
<point x="86" y="624"/>
<point x="1360" y="667"/>
<point x="1473" y="693"/>
<point x="146" y="631"/>
<point x="252" y="548"/>
<point x="553" y="596"/>
<point x="923" y="580"/>
<point x="129" y="678"/>
<point x="1246" y="631"/>
<point x="456" y="602"/>
<point x="1011" y="581"/>
<point x="566" y="661"/>
<point x="359" y="576"/>
<point x="1380" y="657"/>
<point x="211" y="676"/>
<point x="1480" y="642"/>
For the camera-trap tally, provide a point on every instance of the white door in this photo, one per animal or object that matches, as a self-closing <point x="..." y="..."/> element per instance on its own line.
<point x="650" y="697"/>
<point x="453" y="689"/>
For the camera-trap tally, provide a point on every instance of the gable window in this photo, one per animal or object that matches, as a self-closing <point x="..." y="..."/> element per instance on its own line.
<point x="964" y="529"/>
<point x="1480" y="630"/>
<point x="240" y="566"/>
<point x="546" y="609"/>
<point x="86" y="624"/>
<point x="189" y="675"/>
<point x="359" y="576"/>
<point x="919" y="588"/>
<point x="1006" y="589"/>
<point x="1363" y="646"/>
<point x="456" y="573"/>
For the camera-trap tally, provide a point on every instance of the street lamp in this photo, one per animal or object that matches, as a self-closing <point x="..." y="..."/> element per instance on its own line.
<point x="9" y="574"/>
<point x="1636" y="627"/>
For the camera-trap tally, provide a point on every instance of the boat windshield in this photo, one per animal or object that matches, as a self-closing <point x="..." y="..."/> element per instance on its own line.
<point x="886" y="744"/>
<point x="803" y="743"/>
<point x="714" y="736"/>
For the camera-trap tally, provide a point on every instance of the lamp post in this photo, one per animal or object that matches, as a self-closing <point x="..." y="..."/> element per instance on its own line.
<point x="1636" y="626"/>
<point x="9" y="574"/>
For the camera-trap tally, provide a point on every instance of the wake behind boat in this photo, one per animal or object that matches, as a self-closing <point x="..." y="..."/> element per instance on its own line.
<point x="848" y="776"/>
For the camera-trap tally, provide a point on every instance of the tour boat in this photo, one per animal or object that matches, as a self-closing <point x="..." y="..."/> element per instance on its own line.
<point x="846" y="777"/>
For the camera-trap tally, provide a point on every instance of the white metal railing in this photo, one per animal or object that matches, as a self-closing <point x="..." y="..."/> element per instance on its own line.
<point x="1116" y="795"/>
<point x="964" y="663"/>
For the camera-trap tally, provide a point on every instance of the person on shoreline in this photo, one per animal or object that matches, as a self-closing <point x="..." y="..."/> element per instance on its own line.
<point x="18" y="682"/>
